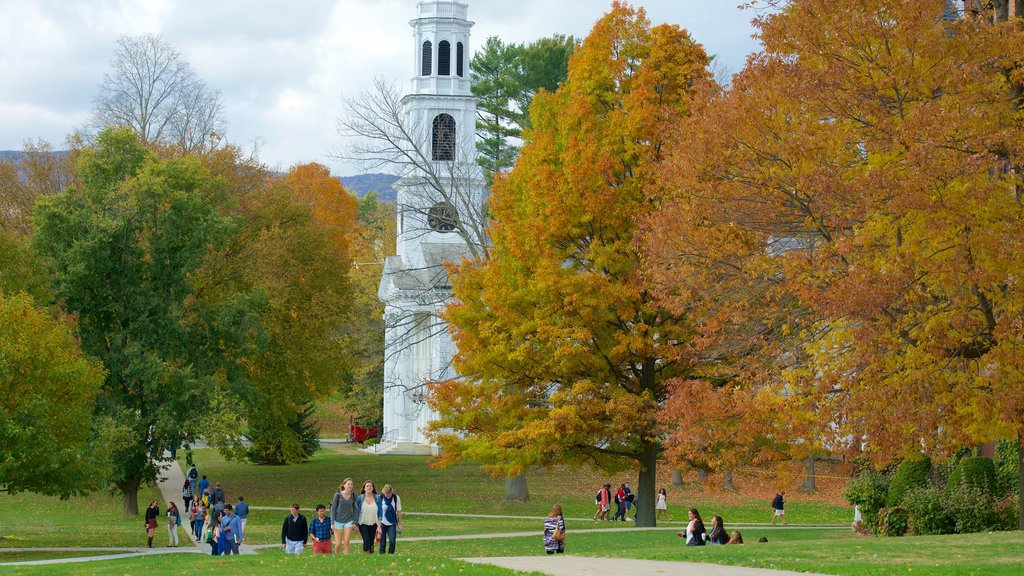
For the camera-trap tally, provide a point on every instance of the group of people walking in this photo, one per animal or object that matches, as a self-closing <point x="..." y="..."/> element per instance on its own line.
<point x="377" y="517"/>
<point x="624" y="498"/>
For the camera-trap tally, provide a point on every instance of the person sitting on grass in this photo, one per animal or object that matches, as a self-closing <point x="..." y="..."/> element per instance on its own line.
<point x="718" y="534"/>
<point x="736" y="537"/>
<point x="554" y="531"/>
<point x="695" y="533"/>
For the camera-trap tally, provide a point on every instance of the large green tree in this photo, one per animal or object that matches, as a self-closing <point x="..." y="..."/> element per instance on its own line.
<point x="124" y="242"/>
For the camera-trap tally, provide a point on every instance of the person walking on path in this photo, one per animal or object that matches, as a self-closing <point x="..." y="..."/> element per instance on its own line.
<point x="662" y="505"/>
<point x="389" y="511"/>
<point x="779" y="505"/>
<point x="204" y="484"/>
<point x="198" y="520"/>
<point x="366" y="514"/>
<point x="294" y="532"/>
<point x="554" y="531"/>
<point x="230" y="532"/>
<point x="173" y="521"/>
<point x="152" y="511"/>
<point x="242" y="511"/>
<point x="212" y="533"/>
<point x="217" y="493"/>
<point x="629" y="499"/>
<point x="186" y="495"/>
<point x="620" y="503"/>
<point x="604" y="497"/>
<point x="320" y="531"/>
<point x="343" y="515"/>
<point x="192" y="475"/>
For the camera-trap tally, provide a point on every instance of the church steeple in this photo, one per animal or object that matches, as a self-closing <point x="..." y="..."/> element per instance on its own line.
<point x="441" y="36"/>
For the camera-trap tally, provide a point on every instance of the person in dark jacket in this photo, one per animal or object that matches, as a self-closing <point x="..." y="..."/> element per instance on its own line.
<point x="718" y="534"/>
<point x="152" y="511"/>
<point x="695" y="533"/>
<point x="779" y="506"/>
<point x="294" y="532"/>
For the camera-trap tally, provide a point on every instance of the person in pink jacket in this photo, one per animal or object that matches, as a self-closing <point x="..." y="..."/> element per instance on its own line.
<point x="603" y="501"/>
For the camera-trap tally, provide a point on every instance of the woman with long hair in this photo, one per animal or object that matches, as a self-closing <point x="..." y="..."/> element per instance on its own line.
<point x="152" y="511"/>
<point x="173" y="519"/>
<point x="343" y="515"/>
<point x="695" y="532"/>
<point x="718" y="534"/>
<point x="662" y="505"/>
<point x="366" y="515"/>
<point x="554" y="531"/>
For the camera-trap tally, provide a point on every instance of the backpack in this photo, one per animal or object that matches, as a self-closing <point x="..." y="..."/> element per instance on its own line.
<point x="178" y="521"/>
<point x="208" y="536"/>
<point x="597" y="499"/>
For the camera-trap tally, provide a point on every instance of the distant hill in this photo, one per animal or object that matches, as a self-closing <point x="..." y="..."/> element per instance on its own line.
<point x="10" y="154"/>
<point x="382" y="184"/>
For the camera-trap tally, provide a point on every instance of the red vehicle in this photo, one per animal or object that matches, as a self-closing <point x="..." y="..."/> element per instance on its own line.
<point x="360" y="434"/>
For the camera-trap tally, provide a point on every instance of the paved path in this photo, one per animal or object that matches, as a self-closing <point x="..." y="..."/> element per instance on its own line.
<point x="173" y="478"/>
<point x="565" y="565"/>
<point x="130" y="554"/>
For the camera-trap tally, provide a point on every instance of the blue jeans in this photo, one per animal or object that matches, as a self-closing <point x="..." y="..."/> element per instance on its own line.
<point x="388" y="533"/>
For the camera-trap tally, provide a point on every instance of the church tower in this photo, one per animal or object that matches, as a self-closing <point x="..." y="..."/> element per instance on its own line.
<point x="439" y="202"/>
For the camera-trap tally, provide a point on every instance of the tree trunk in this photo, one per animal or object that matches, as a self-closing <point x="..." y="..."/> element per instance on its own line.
<point x="1020" y="480"/>
<point x="727" y="484"/>
<point x="130" y="491"/>
<point x="646" y="487"/>
<point x="702" y="475"/>
<point x="516" y="490"/>
<point x="677" y="478"/>
<point x="810" y="483"/>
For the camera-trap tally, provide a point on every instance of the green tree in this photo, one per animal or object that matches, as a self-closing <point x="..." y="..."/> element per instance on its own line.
<point x="506" y="77"/>
<point x="124" y="242"/>
<point x="48" y="388"/>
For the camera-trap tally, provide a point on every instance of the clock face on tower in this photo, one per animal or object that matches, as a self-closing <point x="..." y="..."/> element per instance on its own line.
<point x="442" y="217"/>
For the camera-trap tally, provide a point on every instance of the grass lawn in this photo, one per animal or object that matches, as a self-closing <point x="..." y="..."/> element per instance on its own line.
<point x="825" y="551"/>
<point x="275" y="564"/>
<point x="33" y="521"/>
<point x="466" y="489"/>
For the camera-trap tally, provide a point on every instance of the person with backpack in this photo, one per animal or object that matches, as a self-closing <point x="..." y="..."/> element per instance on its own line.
<point x="389" y="511"/>
<point x="620" y="504"/>
<point x="173" y="521"/>
<point x="629" y="499"/>
<point x="603" y="501"/>
<point x="211" y="533"/>
<point x="779" y="505"/>
<point x="343" y="515"/>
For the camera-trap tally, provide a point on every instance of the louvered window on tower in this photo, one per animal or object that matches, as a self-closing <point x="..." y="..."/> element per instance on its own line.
<point x="458" y="59"/>
<point x="427" y="59"/>
<point x="444" y="138"/>
<point x="444" y="58"/>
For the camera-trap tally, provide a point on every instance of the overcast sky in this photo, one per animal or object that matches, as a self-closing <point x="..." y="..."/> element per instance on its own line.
<point x="281" y="66"/>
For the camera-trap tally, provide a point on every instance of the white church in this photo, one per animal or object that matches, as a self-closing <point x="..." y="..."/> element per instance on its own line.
<point x="437" y="202"/>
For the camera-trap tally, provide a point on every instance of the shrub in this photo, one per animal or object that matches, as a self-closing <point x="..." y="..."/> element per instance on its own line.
<point x="928" y="515"/>
<point x="1008" y="512"/>
<point x="893" y="521"/>
<point x="977" y="472"/>
<point x="1006" y="468"/>
<point x="971" y="507"/>
<point x="868" y="490"/>
<point x="912" y="473"/>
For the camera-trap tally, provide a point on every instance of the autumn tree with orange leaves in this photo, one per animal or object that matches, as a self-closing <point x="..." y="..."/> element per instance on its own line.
<point x="870" y="156"/>
<point x="563" y="348"/>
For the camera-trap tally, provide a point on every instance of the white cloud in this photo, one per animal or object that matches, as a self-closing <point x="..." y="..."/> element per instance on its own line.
<point x="282" y="67"/>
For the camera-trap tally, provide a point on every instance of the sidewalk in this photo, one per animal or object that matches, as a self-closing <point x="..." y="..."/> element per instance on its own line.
<point x="173" y="478"/>
<point x="562" y="565"/>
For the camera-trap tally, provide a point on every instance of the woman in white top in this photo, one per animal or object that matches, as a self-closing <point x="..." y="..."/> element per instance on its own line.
<point x="366" y="514"/>
<point x="662" y="505"/>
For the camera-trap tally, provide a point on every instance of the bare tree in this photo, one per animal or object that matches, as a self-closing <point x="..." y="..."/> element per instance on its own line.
<point x="155" y="92"/>
<point x="384" y="138"/>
